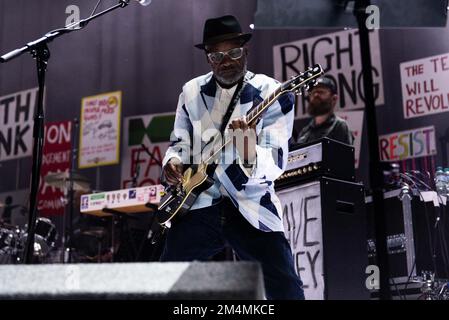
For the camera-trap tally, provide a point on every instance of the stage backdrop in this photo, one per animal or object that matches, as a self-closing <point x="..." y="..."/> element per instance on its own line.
<point x="147" y="53"/>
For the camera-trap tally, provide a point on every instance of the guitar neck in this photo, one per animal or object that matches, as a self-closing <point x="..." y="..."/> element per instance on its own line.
<point x="255" y="112"/>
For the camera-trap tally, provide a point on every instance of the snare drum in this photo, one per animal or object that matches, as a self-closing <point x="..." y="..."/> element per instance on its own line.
<point x="45" y="236"/>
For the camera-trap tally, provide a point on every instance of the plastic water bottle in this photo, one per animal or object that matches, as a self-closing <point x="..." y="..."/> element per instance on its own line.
<point x="440" y="181"/>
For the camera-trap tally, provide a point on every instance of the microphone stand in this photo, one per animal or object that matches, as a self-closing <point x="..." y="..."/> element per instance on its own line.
<point x="151" y="154"/>
<point x="40" y="52"/>
<point x="137" y="171"/>
<point x="156" y="232"/>
<point x="69" y="234"/>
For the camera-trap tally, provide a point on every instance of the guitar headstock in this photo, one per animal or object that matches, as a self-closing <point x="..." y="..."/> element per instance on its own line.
<point x="303" y="80"/>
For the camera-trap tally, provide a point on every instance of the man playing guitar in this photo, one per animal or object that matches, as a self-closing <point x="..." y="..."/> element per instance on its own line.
<point x="240" y="208"/>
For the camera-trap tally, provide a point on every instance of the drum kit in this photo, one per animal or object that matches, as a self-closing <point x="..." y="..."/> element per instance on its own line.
<point x="13" y="238"/>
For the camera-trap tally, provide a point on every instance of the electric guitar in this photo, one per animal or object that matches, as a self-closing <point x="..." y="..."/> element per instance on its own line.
<point x="197" y="178"/>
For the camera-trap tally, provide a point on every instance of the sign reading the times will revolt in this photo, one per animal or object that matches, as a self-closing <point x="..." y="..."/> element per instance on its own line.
<point x="414" y="143"/>
<point x="339" y="55"/>
<point x="425" y="87"/>
<point x="153" y="131"/>
<point x="100" y="130"/>
<point x="16" y="124"/>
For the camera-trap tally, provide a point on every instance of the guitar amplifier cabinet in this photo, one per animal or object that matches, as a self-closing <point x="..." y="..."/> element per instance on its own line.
<point x="324" y="222"/>
<point x="323" y="157"/>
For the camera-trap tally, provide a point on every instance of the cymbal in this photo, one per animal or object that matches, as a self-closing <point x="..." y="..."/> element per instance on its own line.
<point x="95" y="232"/>
<point x="62" y="180"/>
<point x="7" y="225"/>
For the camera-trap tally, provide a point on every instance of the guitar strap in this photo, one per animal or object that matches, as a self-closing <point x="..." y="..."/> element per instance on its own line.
<point x="235" y="98"/>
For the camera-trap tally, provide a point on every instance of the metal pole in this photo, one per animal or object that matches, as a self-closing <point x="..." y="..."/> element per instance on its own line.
<point x="375" y="173"/>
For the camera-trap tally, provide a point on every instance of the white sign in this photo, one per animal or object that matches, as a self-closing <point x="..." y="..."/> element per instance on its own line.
<point x="339" y="55"/>
<point x="303" y="230"/>
<point x="354" y="119"/>
<point x="425" y="87"/>
<point x="16" y="124"/>
<point x="100" y="130"/>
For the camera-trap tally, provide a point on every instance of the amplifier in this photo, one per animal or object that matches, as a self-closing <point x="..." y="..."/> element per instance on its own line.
<point x="416" y="229"/>
<point x="325" y="225"/>
<point x="324" y="157"/>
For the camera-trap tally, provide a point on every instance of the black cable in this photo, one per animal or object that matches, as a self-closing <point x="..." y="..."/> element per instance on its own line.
<point x="443" y="235"/>
<point x="431" y="242"/>
<point x="145" y="238"/>
<point x="443" y="244"/>
<point x="95" y="9"/>
<point x="409" y="277"/>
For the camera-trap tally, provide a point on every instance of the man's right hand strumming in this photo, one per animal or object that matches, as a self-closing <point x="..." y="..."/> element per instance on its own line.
<point x="173" y="171"/>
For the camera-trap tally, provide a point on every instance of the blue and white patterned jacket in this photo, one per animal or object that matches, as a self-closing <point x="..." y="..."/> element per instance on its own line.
<point x="251" y="191"/>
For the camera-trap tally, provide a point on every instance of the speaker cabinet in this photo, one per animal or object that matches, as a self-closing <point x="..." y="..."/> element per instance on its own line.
<point x="325" y="225"/>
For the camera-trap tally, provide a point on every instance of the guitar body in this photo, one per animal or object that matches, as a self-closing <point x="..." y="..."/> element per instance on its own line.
<point x="178" y="201"/>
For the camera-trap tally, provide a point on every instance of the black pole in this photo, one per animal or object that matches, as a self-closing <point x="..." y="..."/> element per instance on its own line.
<point x="136" y="171"/>
<point x="74" y="152"/>
<point x="42" y="55"/>
<point x="375" y="173"/>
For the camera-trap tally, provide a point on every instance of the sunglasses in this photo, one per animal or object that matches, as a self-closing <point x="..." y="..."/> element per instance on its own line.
<point x="217" y="57"/>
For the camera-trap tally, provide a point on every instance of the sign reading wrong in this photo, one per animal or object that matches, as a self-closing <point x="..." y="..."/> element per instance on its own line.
<point x="339" y="55"/>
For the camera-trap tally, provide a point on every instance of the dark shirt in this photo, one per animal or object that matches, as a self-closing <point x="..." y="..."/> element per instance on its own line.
<point x="334" y="128"/>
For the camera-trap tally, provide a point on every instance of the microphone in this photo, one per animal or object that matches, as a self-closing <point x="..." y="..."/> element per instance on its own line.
<point x="144" y="2"/>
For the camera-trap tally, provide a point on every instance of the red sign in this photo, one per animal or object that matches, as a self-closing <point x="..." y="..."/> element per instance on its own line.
<point x="56" y="158"/>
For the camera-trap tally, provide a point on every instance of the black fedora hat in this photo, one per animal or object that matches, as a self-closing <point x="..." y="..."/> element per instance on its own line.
<point x="222" y="29"/>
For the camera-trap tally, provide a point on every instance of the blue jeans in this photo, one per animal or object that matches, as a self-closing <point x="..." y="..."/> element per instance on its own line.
<point x="204" y="232"/>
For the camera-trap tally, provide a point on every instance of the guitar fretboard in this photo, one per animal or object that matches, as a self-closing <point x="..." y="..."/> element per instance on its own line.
<point x="257" y="110"/>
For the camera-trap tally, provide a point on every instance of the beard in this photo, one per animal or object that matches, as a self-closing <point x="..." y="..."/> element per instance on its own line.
<point x="319" y="108"/>
<point x="230" y="76"/>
